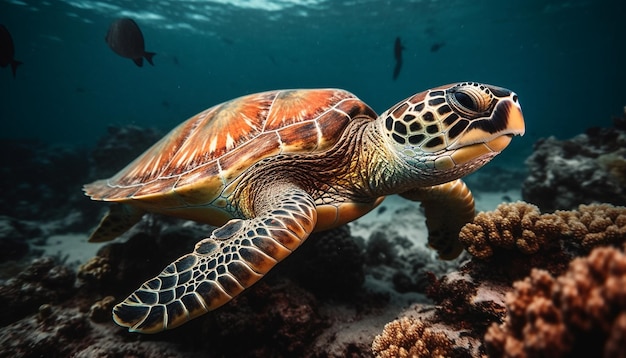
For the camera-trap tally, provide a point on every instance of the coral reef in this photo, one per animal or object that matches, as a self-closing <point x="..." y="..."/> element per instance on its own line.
<point x="595" y="225"/>
<point x="512" y="225"/>
<point x="581" y="311"/>
<point x="409" y="337"/>
<point x="289" y="315"/>
<point x="522" y="227"/>
<point x="43" y="282"/>
<point x="26" y="196"/>
<point x="509" y="244"/>
<point x="65" y="170"/>
<point x="329" y="264"/>
<point x="328" y="299"/>
<point x="588" y="168"/>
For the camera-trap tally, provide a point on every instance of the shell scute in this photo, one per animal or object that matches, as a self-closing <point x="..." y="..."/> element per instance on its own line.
<point x="200" y="185"/>
<point x="301" y="137"/>
<point x="294" y="106"/>
<point x="234" y="162"/>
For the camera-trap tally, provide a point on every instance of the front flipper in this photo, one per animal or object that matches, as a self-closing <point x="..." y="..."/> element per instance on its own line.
<point x="448" y="207"/>
<point x="233" y="258"/>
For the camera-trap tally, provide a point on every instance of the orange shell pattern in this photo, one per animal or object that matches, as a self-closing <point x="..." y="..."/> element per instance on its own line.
<point x="197" y="159"/>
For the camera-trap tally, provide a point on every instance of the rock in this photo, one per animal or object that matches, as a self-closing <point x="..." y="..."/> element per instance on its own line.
<point x="586" y="169"/>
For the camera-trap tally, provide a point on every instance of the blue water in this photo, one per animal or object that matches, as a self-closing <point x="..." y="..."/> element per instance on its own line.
<point x="564" y="59"/>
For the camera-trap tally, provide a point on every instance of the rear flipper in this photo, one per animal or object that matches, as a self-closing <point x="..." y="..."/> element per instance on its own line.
<point x="233" y="258"/>
<point x="118" y="220"/>
<point x="448" y="208"/>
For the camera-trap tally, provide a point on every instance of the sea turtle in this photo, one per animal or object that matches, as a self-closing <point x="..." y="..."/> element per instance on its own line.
<point x="270" y="168"/>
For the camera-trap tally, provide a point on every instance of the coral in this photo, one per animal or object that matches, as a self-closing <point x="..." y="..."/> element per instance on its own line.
<point x="66" y="332"/>
<point x="279" y="312"/>
<point x="409" y="337"/>
<point x="595" y="225"/>
<point x="329" y="263"/>
<point x="580" y="311"/>
<point x="521" y="226"/>
<point x="58" y="334"/>
<point x="590" y="167"/>
<point x="467" y="302"/>
<point x="96" y="269"/>
<point x="380" y="250"/>
<point x="512" y="225"/>
<point x="101" y="310"/>
<point x="615" y="164"/>
<point x="42" y="282"/>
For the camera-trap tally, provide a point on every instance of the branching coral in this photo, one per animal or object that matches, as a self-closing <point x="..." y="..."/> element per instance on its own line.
<point x="512" y="225"/>
<point x="584" y="310"/>
<point x="96" y="269"/>
<point x="594" y="225"/>
<point x="409" y="337"/>
<point x="521" y="226"/>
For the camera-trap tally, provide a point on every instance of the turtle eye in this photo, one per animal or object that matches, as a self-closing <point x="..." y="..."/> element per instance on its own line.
<point x="466" y="101"/>
<point x="470" y="99"/>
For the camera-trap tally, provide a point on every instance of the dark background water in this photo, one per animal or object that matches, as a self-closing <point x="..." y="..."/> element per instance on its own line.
<point x="565" y="59"/>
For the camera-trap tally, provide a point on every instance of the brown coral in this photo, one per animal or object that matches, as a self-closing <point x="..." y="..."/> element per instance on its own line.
<point x="596" y="224"/>
<point x="409" y="337"/>
<point x="521" y="226"/>
<point x="584" y="310"/>
<point x="512" y="225"/>
<point x="95" y="269"/>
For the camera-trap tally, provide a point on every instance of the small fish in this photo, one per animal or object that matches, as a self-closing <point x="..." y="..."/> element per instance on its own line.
<point x="125" y="39"/>
<point x="397" y="52"/>
<point x="436" y="46"/>
<point x="7" y="50"/>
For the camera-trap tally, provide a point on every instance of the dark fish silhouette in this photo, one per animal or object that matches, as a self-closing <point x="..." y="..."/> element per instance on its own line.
<point x="397" y="52"/>
<point x="125" y="39"/>
<point x="436" y="46"/>
<point x="7" y="50"/>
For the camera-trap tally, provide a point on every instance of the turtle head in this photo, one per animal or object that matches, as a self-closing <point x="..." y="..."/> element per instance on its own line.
<point x="450" y="131"/>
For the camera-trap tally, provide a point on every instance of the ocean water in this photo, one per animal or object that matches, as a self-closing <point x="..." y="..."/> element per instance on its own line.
<point x="565" y="59"/>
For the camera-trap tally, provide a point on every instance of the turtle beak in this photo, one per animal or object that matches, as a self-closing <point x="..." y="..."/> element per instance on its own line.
<point x="497" y="130"/>
<point x="515" y="122"/>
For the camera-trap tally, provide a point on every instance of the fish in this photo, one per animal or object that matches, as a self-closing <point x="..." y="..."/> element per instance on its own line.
<point x="125" y="39"/>
<point x="7" y="50"/>
<point x="436" y="46"/>
<point x="397" y="52"/>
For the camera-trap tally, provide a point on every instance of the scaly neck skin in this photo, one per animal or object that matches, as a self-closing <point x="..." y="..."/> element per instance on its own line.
<point x="385" y="171"/>
<point x="381" y="168"/>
